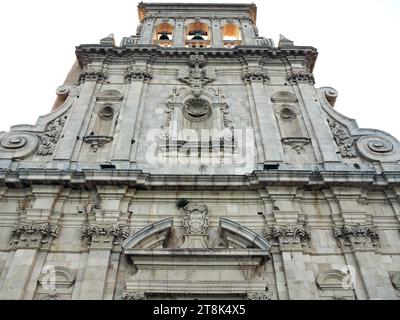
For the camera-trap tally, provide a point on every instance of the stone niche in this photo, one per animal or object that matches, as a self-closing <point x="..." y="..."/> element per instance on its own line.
<point x="102" y="124"/>
<point x="294" y="137"/>
<point x="228" y="268"/>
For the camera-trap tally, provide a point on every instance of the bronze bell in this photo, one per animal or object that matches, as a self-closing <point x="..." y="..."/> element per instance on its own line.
<point x="164" y="36"/>
<point x="197" y="36"/>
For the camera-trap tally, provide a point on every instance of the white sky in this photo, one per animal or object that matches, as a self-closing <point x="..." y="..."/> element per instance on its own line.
<point x="358" y="43"/>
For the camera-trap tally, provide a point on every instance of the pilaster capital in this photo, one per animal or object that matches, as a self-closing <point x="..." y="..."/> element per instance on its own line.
<point x="359" y="237"/>
<point x="93" y="76"/>
<point x="29" y="235"/>
<point x="290" y="237"/>
<point x="249" y="76"/>
<point x="301" y="77"/>
<point x="134" y="74"/>
<point x="104" y="236"/>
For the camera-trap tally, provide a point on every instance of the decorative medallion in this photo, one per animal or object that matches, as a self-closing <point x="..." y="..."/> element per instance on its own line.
<point x="197" y="109"/>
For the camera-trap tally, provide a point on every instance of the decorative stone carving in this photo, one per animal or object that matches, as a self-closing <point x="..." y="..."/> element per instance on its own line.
<point x="297" y="143"/>
<point x="32" y="235"/>
<point x="286" y="113"/>
<point x="195" y="221"/>
<point x="133" y="295"/>
<point x="50" y="136"/>
<point x="196" y="109"/>
<point x="198" y="75"/>
<point x="344" y="141"/>
<point x="265" y="295"/>
<point x="331" y="95"/>
<point x="138" y="74"/>
<point x="110" y="96"/>
<point x="18" y="145"/>
<point x="289" y="237"/>
<point x="104" y="236"/>
<point x="334" y="280"/>
<point x="301" y="77"/>
<point x="284" y="97"/>
<point x="357" y="237"/>
<point x="254" y="76"/>
<point x="378" y="148"/>
<point x="56" y="280"/>
<point x="196" y="225"/>
<point x="92" y="75"/>
<point x="93" y="203"/>
<point x="97" y="142"/>
<point x="262" y="41"/>
<point x="24" y="204"/>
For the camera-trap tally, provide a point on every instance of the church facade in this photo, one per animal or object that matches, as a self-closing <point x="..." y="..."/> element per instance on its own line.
<point x="197" y="160"/>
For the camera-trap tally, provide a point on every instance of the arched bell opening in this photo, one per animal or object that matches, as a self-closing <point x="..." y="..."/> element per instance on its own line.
<point x="231" y="35"/>
<point x="197" y="35"/>
<point x="163" y="34"/>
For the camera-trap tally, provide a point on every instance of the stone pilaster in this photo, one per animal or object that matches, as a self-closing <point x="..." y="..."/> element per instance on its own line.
<point x="135" y="78"/>
<point x="216" y="32"/>
<point x="310" y="106"/>
<point x="363" y="241"/>
<point x="357" y="236"/>
<point x="45" y="200"/>
<point x="179" y="36"/>
<point x="36" y="233"/>
<point x="263" y="116"/>
<point x="147" y="30"/>
<point x="101" y="238"/>
<point x="247" y="30"/>
<point x="77" y="115"/>
<point x="291" y="238"/>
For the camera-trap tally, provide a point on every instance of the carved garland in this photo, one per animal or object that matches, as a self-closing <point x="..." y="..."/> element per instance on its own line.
<point x="50" y="136"/>
<point x="344" y="141"/>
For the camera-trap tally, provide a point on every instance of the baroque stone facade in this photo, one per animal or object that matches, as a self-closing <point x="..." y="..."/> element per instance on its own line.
<point x="198" y="160"/>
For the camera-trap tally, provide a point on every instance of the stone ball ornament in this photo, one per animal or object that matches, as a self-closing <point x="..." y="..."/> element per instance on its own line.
<point x="379" y="148"/>
<point x="17" y="145"/>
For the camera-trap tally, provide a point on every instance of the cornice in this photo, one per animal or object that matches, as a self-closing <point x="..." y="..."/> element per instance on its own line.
<point x="23" y="178"/>
<point x="87" y="52"/>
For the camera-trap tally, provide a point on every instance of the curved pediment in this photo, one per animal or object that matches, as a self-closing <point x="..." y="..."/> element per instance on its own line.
<point x="284" y="97"/>
<point x="113" y="95"/>
<point x="153" y="236"/>
<point x="239" y="236"/>
<point x="333" y="279"/>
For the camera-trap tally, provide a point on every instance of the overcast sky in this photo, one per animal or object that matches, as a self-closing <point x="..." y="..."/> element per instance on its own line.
<point x="358" y="43"/>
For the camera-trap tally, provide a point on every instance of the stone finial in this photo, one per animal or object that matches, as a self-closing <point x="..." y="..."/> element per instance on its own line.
<point x="109" y="40"/>
<point x="284" y="42"/>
